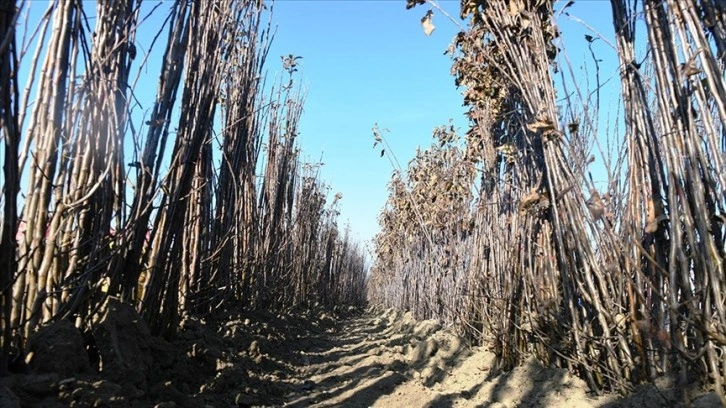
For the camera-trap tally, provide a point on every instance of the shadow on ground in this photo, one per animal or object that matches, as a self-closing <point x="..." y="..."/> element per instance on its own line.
<point x="300" y="358"/>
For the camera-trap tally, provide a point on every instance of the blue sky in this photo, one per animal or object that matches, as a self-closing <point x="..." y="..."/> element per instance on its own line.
<point x="367" y="62"/>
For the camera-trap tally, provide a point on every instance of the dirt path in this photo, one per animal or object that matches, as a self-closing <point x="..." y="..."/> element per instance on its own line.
<point x="302" y="359"/>
<point x="390" y="360"/>
<point x="356" y="363"/>
<point x="393" y="361"/>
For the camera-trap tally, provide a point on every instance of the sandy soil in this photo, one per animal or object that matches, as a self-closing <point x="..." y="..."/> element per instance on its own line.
<point x="300" y="359"/>
<point x="393" y="361"/>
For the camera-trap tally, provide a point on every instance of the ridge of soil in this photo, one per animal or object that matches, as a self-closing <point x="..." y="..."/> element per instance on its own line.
<point x="346" y="357"/>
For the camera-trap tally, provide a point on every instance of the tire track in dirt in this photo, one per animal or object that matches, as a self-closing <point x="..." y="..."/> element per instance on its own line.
<point x="387" y="359"/>
<point x="353" y="366"/>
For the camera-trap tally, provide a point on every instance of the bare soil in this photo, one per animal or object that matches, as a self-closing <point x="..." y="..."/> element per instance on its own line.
<point x="346" y="358"/>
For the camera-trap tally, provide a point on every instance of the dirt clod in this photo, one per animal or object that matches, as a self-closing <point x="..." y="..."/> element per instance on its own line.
<point x="124" y="344"/>
<point x="58" y="348"/>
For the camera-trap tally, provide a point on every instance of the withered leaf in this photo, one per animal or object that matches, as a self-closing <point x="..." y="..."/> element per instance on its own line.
<point x="413" y="3"/>
<point x="525" y="24"/>
<point x="691" y="68"/>
<point x="541" y="124"/>
<point x="515" y="7"/>
<point x="573" y="127"/>
<point x="654" y="215"/>
<point x="427" y="24"/>
<point x="529" y="199"/>
<point x="507" y="149"/>
<point x="595" y="205"/>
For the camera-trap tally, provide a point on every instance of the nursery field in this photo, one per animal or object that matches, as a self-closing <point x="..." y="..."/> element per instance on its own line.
<point x="164" y="242"/>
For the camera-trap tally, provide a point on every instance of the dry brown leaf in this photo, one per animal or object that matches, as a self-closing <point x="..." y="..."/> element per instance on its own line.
<point x="651" y="227"/>
<point x="509" y="151"/>
<point x="595" y="205"/>
<point x="654" y="215"/>
<point x="691" y="68"/>
<point x="526" y="23"/>
<point x="529" y="199"/>
<point x="650" y="212"/>
<point x="542" y="124"/>
<point x="427" y="24"/>
<point x="573" y="127"/>
<point x="515" y="7"/>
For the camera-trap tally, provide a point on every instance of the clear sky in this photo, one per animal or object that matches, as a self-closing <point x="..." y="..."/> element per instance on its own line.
<point x="367" y="62"/>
